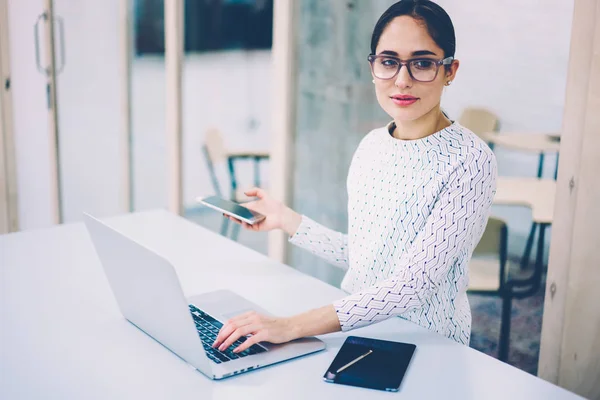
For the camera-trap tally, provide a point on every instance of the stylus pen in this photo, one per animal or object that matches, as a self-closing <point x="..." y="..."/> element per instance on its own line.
<point x="357" y="359"/>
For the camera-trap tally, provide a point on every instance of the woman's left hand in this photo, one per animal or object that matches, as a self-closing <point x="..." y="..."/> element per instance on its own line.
<point x="262" y="329"/>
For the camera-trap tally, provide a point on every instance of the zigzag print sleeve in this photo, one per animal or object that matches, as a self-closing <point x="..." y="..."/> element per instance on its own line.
<point x="451" y="232"/>
<point x="323" y="242"/>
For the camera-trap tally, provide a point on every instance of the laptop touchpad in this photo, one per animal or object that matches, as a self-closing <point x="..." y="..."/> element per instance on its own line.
<point x="232" y="314"/>
<point x="224" y="304"/>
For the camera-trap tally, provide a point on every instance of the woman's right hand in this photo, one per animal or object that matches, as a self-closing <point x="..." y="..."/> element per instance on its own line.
<point x="278" y="216"/>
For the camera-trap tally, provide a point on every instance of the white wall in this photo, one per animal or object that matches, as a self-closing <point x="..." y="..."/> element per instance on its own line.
<point x="228" y="90"/>
<point x="514" y="57"/>
<point x="231" y="91"/>
<point x="89" y="110"/>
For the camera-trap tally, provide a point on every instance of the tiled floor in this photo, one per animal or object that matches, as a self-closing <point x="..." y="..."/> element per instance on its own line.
<point x="526" y="325"/>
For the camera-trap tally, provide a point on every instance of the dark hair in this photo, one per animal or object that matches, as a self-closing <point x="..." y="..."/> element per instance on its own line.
<point x="436" y="20"/>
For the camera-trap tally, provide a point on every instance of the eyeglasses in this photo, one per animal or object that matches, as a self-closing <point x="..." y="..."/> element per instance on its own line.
<point x="420" y="69"/>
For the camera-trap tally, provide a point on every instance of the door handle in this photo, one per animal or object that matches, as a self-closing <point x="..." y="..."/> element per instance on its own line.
<point x="61" y="44"/>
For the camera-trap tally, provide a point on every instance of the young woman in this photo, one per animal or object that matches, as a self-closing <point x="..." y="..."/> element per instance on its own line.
<point x="419" y="195"/>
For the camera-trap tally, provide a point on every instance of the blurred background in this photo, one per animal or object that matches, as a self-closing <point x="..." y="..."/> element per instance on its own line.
<point x="510" y="90"/>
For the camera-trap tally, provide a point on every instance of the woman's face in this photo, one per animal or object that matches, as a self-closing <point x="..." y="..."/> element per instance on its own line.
<point x="406" y="39"/>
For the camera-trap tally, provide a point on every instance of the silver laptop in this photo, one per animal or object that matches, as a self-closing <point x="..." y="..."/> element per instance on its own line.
<point x="149" y="295"/>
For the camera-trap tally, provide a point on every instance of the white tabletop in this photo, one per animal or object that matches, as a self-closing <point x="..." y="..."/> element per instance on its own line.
<point x="537" y="194"/>
<point x="536" y="142"/>
<point x="63" y="337"/>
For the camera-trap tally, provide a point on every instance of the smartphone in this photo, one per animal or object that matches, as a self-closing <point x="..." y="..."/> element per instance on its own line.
<point x="232" y="209"/>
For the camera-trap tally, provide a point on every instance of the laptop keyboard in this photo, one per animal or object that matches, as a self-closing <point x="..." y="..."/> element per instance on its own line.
<point x="208" y="329"/>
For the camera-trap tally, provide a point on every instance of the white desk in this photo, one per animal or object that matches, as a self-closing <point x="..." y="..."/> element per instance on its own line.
<point x="63" y="337"/>
<point x="534" y="142"/>
<point x="539" y="143"/>
<point x="537" y="194"/>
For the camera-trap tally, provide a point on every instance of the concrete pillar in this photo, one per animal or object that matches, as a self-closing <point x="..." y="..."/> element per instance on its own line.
<point x="336" y="107"/>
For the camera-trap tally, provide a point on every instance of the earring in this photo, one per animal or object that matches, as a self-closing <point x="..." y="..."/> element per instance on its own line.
<point x="373" y="81"/>
<point x="448" y="83"/>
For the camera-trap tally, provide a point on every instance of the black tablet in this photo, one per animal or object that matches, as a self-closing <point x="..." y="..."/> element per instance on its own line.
<point x="370" y="363"/>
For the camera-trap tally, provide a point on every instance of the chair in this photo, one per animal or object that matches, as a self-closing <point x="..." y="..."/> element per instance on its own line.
<point x="215" y="152"/>
<point x="488" y="275"/>
<point x="480" y="121"/>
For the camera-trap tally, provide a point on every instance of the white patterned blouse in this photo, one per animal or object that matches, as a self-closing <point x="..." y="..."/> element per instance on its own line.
<point x="416" y="211"/>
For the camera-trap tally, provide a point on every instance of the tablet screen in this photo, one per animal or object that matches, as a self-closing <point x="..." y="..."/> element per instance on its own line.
<point x="383" y="368"/>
